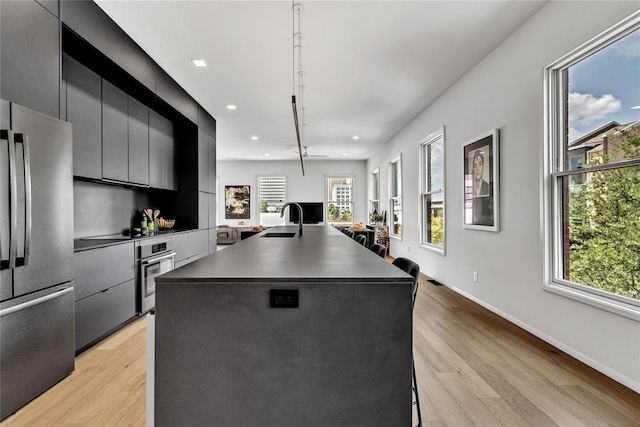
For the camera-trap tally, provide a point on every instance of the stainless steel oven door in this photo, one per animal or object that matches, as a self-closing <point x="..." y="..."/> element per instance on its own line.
<point x="151" y="268"/>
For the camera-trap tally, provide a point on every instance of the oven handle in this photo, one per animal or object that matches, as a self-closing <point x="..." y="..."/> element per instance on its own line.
<point x="154" y="260"/>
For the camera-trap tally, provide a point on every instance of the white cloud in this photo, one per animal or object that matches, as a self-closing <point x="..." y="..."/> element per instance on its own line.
<point x="585" y="109"/>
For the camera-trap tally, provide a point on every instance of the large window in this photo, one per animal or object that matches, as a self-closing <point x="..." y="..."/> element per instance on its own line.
<point x="375" y="215"/>
<point x="395" y="191"/>
<point x="432" y="191"/>
<point x="593" y="193"/>
<point x="339" y="197"/>
<point x="272" y="191"/>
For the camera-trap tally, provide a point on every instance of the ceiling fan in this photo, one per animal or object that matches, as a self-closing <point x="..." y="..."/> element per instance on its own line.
<point x="305" y="154"/>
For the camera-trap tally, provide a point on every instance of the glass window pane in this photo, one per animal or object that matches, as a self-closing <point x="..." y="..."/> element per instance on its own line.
<point x="340" y="201"/>
<point x="272" y="193"/>
<point x="433" y="229"/>
<point x="435" y="169"/>
<point x="396" y="223"/>
<point x="603" y="95"/>
<point x="601" y="230"/>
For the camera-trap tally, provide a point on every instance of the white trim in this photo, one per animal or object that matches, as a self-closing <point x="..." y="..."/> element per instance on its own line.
<point x="396" y="160"/>
<point x="615" y="375"/>
<point x="551" y="226"/>
<point x="422" y="170"/>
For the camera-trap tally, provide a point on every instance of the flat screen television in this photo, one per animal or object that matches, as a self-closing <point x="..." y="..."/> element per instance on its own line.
<point x="312" y="213"/>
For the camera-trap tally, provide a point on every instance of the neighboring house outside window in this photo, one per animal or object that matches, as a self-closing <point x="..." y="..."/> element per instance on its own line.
<point x="593" y="163"/>
<point x="432" y="189"/>
<point x="339" y="196"/>
<point x="395" y="202"/>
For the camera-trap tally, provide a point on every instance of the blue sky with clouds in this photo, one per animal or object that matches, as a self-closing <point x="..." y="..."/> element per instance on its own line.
<point x="605" y="87"/>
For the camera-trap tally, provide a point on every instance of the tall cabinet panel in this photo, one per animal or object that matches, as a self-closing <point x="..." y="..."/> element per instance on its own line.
<point x="138" y="142"/>
<point x="212" y="165"/>
<point x="84" y="111"/>
<point x="172" y="178"/>
<point x="115" y="139"/>
<point x="203" y="159"/>
<point x="157" y="155"/>
<point x="30" y="56"/>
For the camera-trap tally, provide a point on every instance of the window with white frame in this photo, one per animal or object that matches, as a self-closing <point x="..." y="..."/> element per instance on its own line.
<point x="432" y="191"/>
<point x="395" y="201"/>
<point x="272" y="193"/>
<point x="375" y="216"/>
<point x="593" y="165"/>
<point x="339" y="196"/>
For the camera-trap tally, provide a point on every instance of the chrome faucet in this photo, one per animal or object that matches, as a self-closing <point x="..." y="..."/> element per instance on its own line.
<point x="299" y="212"/>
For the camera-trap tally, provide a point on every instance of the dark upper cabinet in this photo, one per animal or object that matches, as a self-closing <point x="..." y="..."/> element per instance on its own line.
<point x="203" y="160"/>
<point x="212" y="164"/>
<point x="170" y="149"/>
<point x="162" y="172"/>
<point x="157" y="156"/>
<point x="206" y="162"/>
<point x="84" y="111"/>
<point x="30" y="56"/>
<point x="138" y="142"/>
<point x="115" y="138"/>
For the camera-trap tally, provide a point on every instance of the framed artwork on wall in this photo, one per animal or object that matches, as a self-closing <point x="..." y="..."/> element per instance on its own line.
<point x="481" y="159"/>
<point x="237" y="202"/>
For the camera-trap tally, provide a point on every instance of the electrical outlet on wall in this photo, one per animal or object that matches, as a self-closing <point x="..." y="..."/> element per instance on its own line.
<point x="475" y="276"/>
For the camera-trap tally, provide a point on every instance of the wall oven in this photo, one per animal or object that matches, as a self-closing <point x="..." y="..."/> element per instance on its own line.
<point x="155" y="257"/>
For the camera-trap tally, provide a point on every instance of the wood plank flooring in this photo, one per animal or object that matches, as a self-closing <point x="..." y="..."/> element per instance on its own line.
<point x="474" y="369"/>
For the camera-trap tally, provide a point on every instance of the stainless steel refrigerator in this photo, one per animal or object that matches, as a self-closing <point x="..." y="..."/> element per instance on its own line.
<point x="36" y="248"/>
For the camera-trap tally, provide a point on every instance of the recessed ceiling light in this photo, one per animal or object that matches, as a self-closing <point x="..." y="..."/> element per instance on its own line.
<point x="267" y="154"/>
<point x="345" y="154"/>
<point x="254" y="138"/>
<point x="636" y="107"/>
<point x="231" y="107"/>
<point x="199" y="62"/>
<point x="355" y="137"/>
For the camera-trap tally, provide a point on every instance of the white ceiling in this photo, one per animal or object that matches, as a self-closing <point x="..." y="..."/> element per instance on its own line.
<point x="371" y="66"/>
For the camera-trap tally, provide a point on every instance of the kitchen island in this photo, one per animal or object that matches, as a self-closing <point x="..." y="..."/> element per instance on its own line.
<point x="284" y="331"/>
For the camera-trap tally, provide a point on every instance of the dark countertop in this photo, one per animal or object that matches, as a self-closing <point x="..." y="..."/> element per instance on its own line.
<point x="87" y="243"/>
<point x="322" y="253"/>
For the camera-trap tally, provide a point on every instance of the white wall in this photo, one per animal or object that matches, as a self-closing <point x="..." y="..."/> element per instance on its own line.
<point x="505" y="91"/>
<point x="308" y="188"/>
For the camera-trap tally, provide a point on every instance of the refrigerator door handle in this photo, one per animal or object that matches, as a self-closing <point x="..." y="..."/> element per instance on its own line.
<point x="24" y="140"/>
<point x="4" y="208"/>
<point x="13" y="201"/>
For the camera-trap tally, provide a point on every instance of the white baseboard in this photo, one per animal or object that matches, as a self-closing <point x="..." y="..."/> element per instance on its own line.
<point x="614" y="375"/>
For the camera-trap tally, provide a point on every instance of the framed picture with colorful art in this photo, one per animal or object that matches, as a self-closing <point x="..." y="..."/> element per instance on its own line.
<point x="237" y="202"/>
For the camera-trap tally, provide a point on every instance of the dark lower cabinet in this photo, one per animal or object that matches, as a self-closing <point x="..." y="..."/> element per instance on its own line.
<point x="104" y="291"/>
<point x="101" y="313"/>
<point x="190" y="246"/>
<point x="30" y="56"/>
<point x="115" y="145"/>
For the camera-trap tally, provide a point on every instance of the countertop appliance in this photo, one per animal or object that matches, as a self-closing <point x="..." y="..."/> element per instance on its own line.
<point x="155" y="257"/>
<point x="36" y="248"/>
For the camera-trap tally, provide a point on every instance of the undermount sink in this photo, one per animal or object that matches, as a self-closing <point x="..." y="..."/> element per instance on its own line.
<point x="275" y="234"/>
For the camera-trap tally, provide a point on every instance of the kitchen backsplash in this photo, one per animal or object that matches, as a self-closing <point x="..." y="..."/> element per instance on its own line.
<point x="104" y="209"/>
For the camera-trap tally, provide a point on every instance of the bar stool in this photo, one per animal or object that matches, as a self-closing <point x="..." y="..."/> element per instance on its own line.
<point x="414" y="270"/>
<point x="379" y="249"/>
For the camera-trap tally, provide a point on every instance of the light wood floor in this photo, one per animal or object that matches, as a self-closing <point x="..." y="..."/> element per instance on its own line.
<point x="474" y="368"/>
